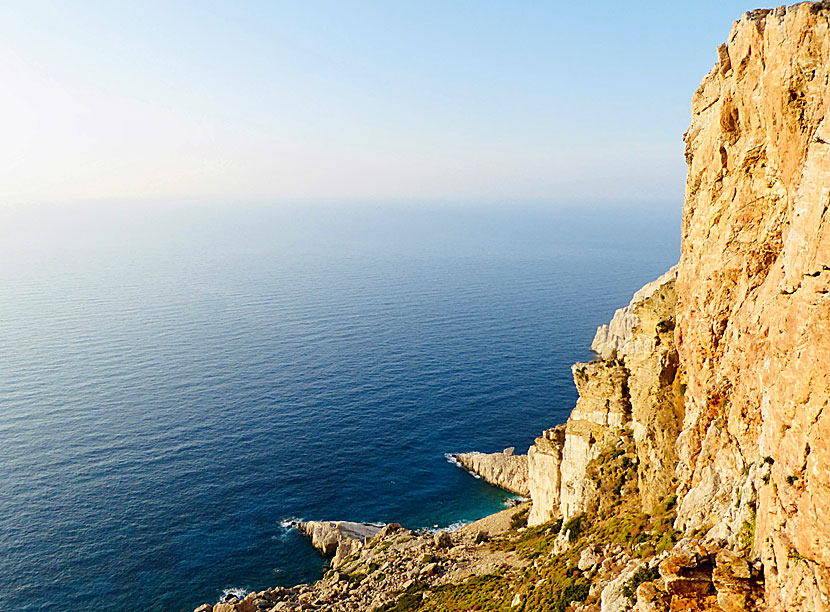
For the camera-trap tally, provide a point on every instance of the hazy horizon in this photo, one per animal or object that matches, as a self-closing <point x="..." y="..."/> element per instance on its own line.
<point x="318" y="101"/>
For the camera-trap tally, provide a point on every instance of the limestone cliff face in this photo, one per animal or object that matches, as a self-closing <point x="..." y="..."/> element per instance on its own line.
<point x="642" y="336"/>
<point x="633" y="386"/>
<point x="753" y="308"/>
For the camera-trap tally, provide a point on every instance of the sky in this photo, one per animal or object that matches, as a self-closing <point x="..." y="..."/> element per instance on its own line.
<point x="336" y="101"/>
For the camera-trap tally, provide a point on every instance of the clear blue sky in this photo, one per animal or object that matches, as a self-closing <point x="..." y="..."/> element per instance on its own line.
<point x="468" y="101"/>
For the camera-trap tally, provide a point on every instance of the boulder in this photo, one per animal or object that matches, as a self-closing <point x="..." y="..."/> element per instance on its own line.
<point x="739" y="583"/>
<point x="442" y="540"/>
<point x="589" y="557"/>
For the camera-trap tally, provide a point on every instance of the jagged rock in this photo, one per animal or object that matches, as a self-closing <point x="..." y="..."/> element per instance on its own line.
<point x="612" y="598"/>
<point x="687" y="571"/>
<point x="248" y="603"/>
<point x="620" y="337"/>
<point x="652" y="597"/>
<point x="224" y="607"/>
<point x="345" y="548"/>
<point x="505" y="469"/>
<point x="544" y="476"/>
<point x="633" y="386"/>
<point x="204" y="608"/>
<point x="739" y="584"/>
<point x="430" y="569"/>
<point x="327" y="535"/>
<point x="389" y="529"/>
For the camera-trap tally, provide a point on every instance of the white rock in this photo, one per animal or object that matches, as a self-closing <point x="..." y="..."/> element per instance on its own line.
<point x="589" y="558"/>
<point x="616" y="338"/>
<point x="327" y="535"/>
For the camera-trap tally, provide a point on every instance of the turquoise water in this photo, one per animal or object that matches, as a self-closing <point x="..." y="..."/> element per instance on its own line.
<point x="173" y="385"/>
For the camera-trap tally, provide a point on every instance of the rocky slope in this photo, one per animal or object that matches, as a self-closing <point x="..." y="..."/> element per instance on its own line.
<point x="693" y="471"/>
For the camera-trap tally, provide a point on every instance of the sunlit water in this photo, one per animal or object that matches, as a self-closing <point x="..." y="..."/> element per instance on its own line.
<point x="174" y="385"/>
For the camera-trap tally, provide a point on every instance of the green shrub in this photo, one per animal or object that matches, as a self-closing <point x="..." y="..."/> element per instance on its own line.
<point x="575" y="527"/>
<point x="578" y="591"/>
<point x="643" y="574"/>
<point x="519" y="519"/>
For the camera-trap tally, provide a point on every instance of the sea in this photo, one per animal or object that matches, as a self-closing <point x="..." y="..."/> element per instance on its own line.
<point x="179" y="383"/>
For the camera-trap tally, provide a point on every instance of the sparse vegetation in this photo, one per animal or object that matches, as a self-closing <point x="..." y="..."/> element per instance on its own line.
<point x="519" y="520"/>
<point x="551" y="582"/>
<point x="747" y="534"/>
<point x="643" y="574"/>
<point x="794" y="555"/>
<point x="353" y="578"/>
<point x="574" y="527"/>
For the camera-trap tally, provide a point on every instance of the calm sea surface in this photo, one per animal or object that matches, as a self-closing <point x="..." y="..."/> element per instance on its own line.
<point x="173" y="385"/>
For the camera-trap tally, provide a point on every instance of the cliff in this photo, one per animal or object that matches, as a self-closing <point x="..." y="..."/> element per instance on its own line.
<point x="753" y="311"/>
<point x="632" y="388"/>
<point x="743" y="384"/>
<point x="693" y="471"/>
<point x="720" y="369"/>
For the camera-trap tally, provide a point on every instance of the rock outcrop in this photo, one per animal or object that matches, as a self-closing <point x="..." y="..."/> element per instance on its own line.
<point x="544" y="476"/>
<point x="635" y="387"/>
<point x="505" y="469"/>
<point x="326" y="536"/>
<point x="753" y="301"/>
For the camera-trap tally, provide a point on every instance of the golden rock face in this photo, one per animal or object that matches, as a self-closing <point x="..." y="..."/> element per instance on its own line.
<point x="753" y="300"/>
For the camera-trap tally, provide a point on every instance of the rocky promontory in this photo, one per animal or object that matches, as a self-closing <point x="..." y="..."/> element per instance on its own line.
<point x="505" y="469"/>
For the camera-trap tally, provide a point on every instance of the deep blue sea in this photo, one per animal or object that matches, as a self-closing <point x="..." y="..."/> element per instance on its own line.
<point x="176" y="383"/>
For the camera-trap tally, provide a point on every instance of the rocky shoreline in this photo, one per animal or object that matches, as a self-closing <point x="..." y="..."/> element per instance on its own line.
<point x="692" y="473"/>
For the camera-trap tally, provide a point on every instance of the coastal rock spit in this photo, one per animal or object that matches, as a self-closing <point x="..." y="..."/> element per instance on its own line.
<point x="505" y="469"/>
<point x="693" y="471"/>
